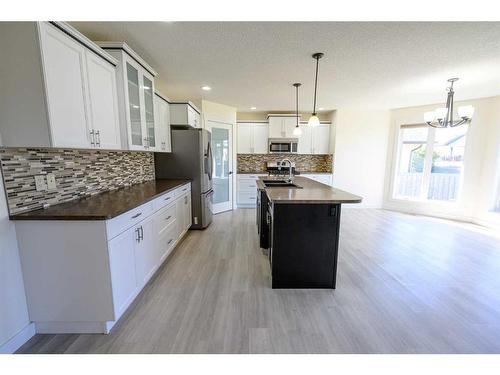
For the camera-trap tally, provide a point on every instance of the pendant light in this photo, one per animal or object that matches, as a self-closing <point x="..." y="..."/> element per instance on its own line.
<point x="443" y="117"/>
<point x="297" y="131"/>
<point x="314" y="120"/>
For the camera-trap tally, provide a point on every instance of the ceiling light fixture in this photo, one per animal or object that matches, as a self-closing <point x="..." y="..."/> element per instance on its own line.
<point x="253" y="108"/>
<point x="206" y="88"/>
<point x="314" y="120"/>
<point x="443" y="117"/>
<point x="297" y="130"/>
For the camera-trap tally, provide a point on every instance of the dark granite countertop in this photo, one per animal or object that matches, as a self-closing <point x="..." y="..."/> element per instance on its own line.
<point x="103" y="206"/>
<point x="310" y="192"/>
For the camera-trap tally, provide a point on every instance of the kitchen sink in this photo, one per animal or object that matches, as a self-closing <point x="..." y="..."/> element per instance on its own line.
<point x="280" y="183"/>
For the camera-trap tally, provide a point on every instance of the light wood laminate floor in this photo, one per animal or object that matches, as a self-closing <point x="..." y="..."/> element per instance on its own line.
<point x="406" y="284"/>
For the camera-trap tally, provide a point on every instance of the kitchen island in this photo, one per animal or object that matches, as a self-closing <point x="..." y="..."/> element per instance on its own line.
<point x="299" y="223"/>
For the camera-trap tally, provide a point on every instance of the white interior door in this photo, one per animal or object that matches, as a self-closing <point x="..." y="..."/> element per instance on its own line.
<point x="222" y="154"/>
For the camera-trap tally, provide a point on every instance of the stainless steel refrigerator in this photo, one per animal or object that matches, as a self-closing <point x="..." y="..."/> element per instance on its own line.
<point x="191" y="158"/>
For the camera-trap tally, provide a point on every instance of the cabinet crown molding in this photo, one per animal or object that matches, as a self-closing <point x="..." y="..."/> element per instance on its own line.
<point x="75" y="34"/>
<point x="125" y="47"/>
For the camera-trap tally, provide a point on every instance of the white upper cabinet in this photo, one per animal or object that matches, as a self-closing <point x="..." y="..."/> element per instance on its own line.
<point x="305" y="140"/>
<point x="281" y="126"/>
<point x="66" y="86"/>
<point x="314" y="140"/>
<point x="103" y="102"/>
<point x="65" y="70"/>
<point x="289" y="124"/>
<point x="162" y="121"/>
<point x="245" y="134"/>
<point x="135" y="82"/>
<point x="185" y="113"/>
<point x="321" y="139"/>
<point x="252" y="138"/>
<point x="260" y="138"/>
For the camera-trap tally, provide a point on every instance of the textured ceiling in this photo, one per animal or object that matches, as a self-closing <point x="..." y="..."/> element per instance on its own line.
<point x="381" y="65"/>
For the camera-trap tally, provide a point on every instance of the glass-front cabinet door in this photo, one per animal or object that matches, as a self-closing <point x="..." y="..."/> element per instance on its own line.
<point x="134" y="103"/>
<point x="150" y="139"/>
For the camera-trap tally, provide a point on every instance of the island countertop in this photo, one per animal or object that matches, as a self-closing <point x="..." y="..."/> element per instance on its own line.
<point x="310" y="191"/>
<point x="104" y="206"/>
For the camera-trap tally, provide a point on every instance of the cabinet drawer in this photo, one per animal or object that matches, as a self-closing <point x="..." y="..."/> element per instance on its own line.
<point x="242" y="177"/>
<point x="247" y="185"/>
<point x="182" y="190"/>
<point x="120" y="223"/>
<point x="163" y="200"/>
<point x="167" y="240"/>
<point x="164" y="218"/>
<point x="247" y="197"/>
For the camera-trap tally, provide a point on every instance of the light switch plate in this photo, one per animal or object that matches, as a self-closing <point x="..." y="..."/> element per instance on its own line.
<point x="40" y="183"/>
<point x="51" y="181"/>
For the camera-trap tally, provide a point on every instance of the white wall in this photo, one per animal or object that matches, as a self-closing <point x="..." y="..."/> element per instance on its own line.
<point x="481" y="164"/>
<point x="211" y="111"/>
<point x="360" y="144"/>
<point x="13" y="309"/>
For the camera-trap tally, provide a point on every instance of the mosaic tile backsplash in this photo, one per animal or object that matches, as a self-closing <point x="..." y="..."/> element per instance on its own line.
<point x="303" y="163"/>
<point x="78" y="173"/>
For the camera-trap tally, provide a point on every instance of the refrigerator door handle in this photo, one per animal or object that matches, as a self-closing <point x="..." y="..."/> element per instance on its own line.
<point x="208" y="164"/>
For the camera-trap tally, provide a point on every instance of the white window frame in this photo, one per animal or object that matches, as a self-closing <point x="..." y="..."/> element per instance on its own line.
<point x="431" y="136"/>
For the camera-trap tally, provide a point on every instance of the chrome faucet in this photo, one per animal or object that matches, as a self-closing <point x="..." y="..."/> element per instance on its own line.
<point x="290" y="171"/>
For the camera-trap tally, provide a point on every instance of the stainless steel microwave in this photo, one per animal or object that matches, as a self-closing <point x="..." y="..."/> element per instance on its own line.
<point x="283" y="145"/>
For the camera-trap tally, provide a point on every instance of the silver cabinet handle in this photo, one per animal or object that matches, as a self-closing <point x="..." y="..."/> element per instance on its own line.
<point x="167" y="198"/>
<point x="170" y="241"/>
<point x="137" y="215"/>
<point x="142" y="233"/>
<point x="138" y="237"/>
<point x="145" y="144"/>
<point x="92" y="137"/>
<point x="98" y="138"/>
<point x="168" y="217"/>
<point x="185" y="200"/>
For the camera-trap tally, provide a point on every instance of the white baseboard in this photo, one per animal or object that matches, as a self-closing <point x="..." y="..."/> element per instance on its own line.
<point x="18" y="340"/>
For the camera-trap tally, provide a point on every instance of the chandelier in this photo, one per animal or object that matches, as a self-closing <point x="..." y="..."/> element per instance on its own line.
<point x="443" y="117"/>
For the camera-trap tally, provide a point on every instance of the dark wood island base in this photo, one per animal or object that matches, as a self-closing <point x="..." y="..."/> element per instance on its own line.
<point x="302" y="226"/>
<point x="304" y="246"/>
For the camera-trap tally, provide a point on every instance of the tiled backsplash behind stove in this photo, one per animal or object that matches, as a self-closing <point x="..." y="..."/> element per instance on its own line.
<point x="78" y="173"/>
<point x="303" y="163"/>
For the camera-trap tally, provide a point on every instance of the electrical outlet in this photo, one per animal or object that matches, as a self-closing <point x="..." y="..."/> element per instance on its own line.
<point x="51" y="181"/>
<point x="40" y="183"/>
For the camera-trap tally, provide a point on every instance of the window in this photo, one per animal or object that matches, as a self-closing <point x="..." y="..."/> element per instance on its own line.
<point x="430" y="162"/>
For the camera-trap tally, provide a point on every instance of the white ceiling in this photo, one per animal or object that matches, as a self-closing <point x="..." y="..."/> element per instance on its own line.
<point x="381" y="65"/>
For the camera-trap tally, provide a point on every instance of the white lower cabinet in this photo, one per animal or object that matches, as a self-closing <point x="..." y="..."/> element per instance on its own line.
<point x="122" y="266"/>
<point x="80" y="276"/>
<point x="247" y="189"/>
<point x="324" y="178"/>
<point x="145" y="252"/>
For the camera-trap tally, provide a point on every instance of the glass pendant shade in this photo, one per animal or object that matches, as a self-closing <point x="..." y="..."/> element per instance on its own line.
<point x="441" y="113"/>
<point x="429" y="116"/>
<point x="313" y="121"/>
<point x="297" y="130"/>
<point x="466" y="111"/>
